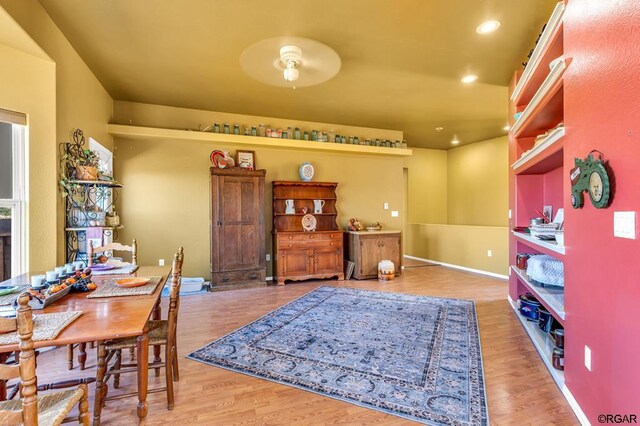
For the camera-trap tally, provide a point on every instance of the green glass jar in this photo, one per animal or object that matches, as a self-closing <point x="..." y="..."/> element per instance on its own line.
<point x="306" y="135"/>
<point x="227" y="129"/>
<point x="236" y="129"/>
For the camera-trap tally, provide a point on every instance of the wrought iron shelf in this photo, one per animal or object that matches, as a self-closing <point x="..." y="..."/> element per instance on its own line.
<point x="105" y="183"/>
<point x="84" y="228"/>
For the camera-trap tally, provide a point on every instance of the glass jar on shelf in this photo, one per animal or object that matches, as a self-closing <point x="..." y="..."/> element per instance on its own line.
<point x="254" y="131"/>
<point x="216" y="128"/>
<point x="236" y="129"/>
<point x="296" y="133"/>
<point x="227" y="129"/>
<point x="306" y="135"/>
<point x="289" y="132"/>
<point x="262" y="130"/>
<point x="314" y="135"/>
<point x="331" y="136"/>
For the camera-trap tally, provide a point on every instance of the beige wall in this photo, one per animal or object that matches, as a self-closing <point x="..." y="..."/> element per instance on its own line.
<point x="478" y="183"/>
<point x="27" y="84"/>
<point x="80" y="99"/>
<point x="165" y="199"/>
<point x="458" y="205"/>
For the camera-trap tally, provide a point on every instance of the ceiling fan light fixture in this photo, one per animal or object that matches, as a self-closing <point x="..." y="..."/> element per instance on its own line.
<point x="291" y="58"/>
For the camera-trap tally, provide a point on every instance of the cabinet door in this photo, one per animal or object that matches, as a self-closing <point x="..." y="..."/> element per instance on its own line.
<point x="369" y="255"/>
<point x="240" y="222"/>
<point x="327" y="261"/>
<point x="389" y="247"/>
<point x="294" y="262"/>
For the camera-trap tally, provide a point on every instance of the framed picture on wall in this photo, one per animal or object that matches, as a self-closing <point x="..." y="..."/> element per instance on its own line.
<point x="246" y="159"/>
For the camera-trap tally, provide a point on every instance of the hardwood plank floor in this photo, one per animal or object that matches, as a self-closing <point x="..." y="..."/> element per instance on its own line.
<point x="519" y="389"/>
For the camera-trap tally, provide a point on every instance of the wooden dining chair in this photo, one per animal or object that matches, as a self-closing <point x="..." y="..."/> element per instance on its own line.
<point x="91" y="251"/>
<point x="133" y="248"/>
<point x="33" y="409"/>
<point x="161" y="333"/>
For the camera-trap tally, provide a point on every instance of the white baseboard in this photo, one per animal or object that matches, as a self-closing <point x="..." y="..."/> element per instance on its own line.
<point x="462" y="268"/>
<point x="582" y="418"/>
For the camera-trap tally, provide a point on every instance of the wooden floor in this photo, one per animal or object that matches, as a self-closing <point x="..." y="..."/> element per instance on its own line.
<point x="519" y="388"/>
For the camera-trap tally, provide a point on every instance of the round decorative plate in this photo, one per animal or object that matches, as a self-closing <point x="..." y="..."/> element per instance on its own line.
<point x="215" y="155"/>
<point x="132" y="282"/>
<point x="306" y="171"/>
<point x="309" y="222"/>
<point x="102" y="267"/>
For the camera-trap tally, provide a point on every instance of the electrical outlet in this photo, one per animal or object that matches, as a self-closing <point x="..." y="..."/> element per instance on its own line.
<point x="386" y="206"/>
<point x="160" y="262"/>
<point x="587" y="357"/>
<point x="489" y="253"/>
<point x="268" y="257"/>
<point x="394" y="213"/>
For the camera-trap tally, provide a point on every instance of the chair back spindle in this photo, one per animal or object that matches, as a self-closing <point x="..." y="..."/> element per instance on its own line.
<point x="27" y="361"/>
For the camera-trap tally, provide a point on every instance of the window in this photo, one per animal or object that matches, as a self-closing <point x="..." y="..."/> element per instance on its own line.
<point x="13" y="258"/>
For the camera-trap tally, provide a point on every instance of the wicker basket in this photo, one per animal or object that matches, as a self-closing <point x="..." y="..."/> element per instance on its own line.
<point x="86" y="173"/>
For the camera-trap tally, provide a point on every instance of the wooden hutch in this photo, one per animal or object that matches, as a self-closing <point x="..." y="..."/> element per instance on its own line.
<point x="301" y="255"/>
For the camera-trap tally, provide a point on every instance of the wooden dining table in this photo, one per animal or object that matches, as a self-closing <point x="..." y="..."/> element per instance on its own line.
<point x="105" y="319"/>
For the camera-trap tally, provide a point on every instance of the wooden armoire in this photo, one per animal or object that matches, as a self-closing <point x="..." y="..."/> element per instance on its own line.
<point x="237" y="228"/>
<point x="301" y="255"/>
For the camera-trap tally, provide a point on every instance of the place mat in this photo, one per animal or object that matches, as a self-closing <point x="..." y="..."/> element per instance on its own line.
<point x="109" y="288"/>
<point x="45" y="327"/>
<point x="8" y="299"/>
<point x="125" y="270"/>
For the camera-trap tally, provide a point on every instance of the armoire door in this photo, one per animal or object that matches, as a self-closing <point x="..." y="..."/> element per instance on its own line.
<point x="241" y="239"/>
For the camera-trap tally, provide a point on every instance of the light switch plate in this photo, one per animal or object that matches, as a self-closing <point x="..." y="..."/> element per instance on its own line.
<point x="624" y="225"/>
<point x="386" y="206"/>
<point x="394" y="213"/>
<point x="509" y="213"/>
<point x="587" y="357"/>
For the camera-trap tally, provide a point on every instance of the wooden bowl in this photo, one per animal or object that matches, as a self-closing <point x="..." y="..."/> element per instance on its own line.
<point x="132" y="282"/>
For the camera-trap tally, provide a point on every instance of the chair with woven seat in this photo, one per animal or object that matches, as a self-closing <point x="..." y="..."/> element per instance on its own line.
<point x="33" y="409"/>
<point x="91" y="251"/>
<point x="161" y="333"/>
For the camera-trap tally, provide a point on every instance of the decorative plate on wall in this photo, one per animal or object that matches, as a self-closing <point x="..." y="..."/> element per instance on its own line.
<point x="306" y="171"/>
<point x="309" y="222"/>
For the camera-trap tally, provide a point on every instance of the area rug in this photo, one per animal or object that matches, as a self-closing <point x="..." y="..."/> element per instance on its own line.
<point x="410" y="356"/>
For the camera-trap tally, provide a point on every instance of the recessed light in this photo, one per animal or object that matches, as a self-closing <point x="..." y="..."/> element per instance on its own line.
<point x="455" y="141"/>
<point x="488" y="27"/>
<point x="506" y="128"/>
<point x="439" y="129"/>
<point x="469" y="78"/>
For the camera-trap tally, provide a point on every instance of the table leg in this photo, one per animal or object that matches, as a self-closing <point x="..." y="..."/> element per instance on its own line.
<point x="99" y="394"/>
<point x="82" y="355"/>
<point x="143" y="373"/>
<point x="157" y="315"/>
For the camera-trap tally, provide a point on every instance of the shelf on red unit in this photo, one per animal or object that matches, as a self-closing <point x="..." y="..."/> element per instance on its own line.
<point x="549" y="47"/>
<point x="546" y="156"/>
<point x="543" y="342"/>
<point x="551" y="297"/>
<point x="546" y="108"/>
<point x="552" y="248"/>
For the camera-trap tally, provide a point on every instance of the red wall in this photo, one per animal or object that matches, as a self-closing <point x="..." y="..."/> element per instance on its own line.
<point x="602" y="111"/>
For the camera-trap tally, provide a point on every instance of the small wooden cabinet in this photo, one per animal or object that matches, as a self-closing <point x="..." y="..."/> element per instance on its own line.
<point x="366" y="249"/>
<point x="300" y="255"/>
<point x="237" y="228"/>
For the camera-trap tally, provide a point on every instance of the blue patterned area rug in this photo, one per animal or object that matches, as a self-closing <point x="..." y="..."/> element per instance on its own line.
<point x="410" y="356"/>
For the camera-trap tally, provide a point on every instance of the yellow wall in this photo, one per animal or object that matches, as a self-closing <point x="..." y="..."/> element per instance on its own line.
<point x="478" y="183"/>
<point x="427" y="186"/>
<point x="461" y="245"/>
<point x="165" y="199"/>
<point x="460" y="223"/>
<point x="80" y="99"/>
<point x="27" y="84"/>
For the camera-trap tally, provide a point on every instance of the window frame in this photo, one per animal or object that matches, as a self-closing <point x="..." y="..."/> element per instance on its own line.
<point x="18" y="203"/>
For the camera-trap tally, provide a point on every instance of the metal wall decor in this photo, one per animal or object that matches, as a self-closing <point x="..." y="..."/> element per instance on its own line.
<point x="590" y="175"/>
